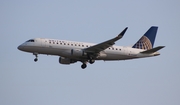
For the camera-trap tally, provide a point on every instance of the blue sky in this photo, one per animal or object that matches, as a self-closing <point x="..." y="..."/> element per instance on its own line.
<point x="145" y="81"/>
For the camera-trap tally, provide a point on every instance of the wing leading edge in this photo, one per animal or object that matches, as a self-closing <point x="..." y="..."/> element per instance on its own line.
<point x="104" y="45"/>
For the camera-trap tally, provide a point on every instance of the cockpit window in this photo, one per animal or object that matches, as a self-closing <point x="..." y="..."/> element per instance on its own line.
<point x="31" y="40"/>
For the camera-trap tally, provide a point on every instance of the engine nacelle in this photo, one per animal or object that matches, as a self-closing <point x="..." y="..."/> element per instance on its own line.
<point x="63" y="60"/>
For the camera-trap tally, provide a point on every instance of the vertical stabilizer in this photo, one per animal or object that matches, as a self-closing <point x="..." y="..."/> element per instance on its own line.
<point x="147" y="40"/>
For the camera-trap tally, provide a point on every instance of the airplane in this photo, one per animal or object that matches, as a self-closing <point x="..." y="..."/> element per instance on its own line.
<point x="72" y="51"/>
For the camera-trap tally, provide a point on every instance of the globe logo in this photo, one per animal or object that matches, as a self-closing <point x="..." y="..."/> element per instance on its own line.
<point x="143" y="43"/>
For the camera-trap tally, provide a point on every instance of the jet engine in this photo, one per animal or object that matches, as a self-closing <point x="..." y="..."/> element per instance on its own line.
<point x="63" y="60"/>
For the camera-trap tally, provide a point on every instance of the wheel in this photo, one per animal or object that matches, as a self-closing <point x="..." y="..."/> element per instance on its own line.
<point x="35" y="60"/>
<point x="91" y="61"/>
<point x="83" y="66"/>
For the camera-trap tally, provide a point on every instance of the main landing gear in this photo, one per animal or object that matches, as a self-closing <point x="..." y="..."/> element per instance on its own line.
<point x="84" y="65"/>
<point x="91" y="61"/>
<point x="35" y="59"/>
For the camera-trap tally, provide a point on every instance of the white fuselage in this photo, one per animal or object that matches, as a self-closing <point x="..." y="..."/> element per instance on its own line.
<point x="63" y="48"/>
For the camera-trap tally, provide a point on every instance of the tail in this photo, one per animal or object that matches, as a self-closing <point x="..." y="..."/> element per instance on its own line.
<point x="147" y="40"/>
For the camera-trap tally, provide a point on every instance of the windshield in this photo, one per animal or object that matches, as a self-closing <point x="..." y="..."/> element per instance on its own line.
<point x="31" y="40"/>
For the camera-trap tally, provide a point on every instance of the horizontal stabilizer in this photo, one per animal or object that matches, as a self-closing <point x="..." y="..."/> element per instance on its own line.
<point x="153" y="50"/>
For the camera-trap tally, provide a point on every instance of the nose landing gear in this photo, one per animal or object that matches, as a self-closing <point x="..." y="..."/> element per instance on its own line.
<point x="35" y="59"/>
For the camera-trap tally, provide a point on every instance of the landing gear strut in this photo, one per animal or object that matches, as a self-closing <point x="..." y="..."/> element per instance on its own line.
<point x="83" y="66"/>
<point x="35" y="59"/>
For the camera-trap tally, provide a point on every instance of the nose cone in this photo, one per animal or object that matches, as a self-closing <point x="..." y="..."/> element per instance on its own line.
<point x="20" y="47"/>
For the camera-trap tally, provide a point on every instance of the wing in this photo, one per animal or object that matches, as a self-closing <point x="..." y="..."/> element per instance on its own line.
<point x="104" y="45"/>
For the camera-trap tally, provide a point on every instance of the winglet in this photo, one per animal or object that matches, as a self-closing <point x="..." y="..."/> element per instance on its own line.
<point x="123" y="32"/>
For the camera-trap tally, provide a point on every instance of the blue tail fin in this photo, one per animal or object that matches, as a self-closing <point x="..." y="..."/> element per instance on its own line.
<point x="147" y="40"/>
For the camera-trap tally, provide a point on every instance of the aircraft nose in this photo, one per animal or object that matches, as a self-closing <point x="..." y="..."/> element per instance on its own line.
<point x="20" y="47"/>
